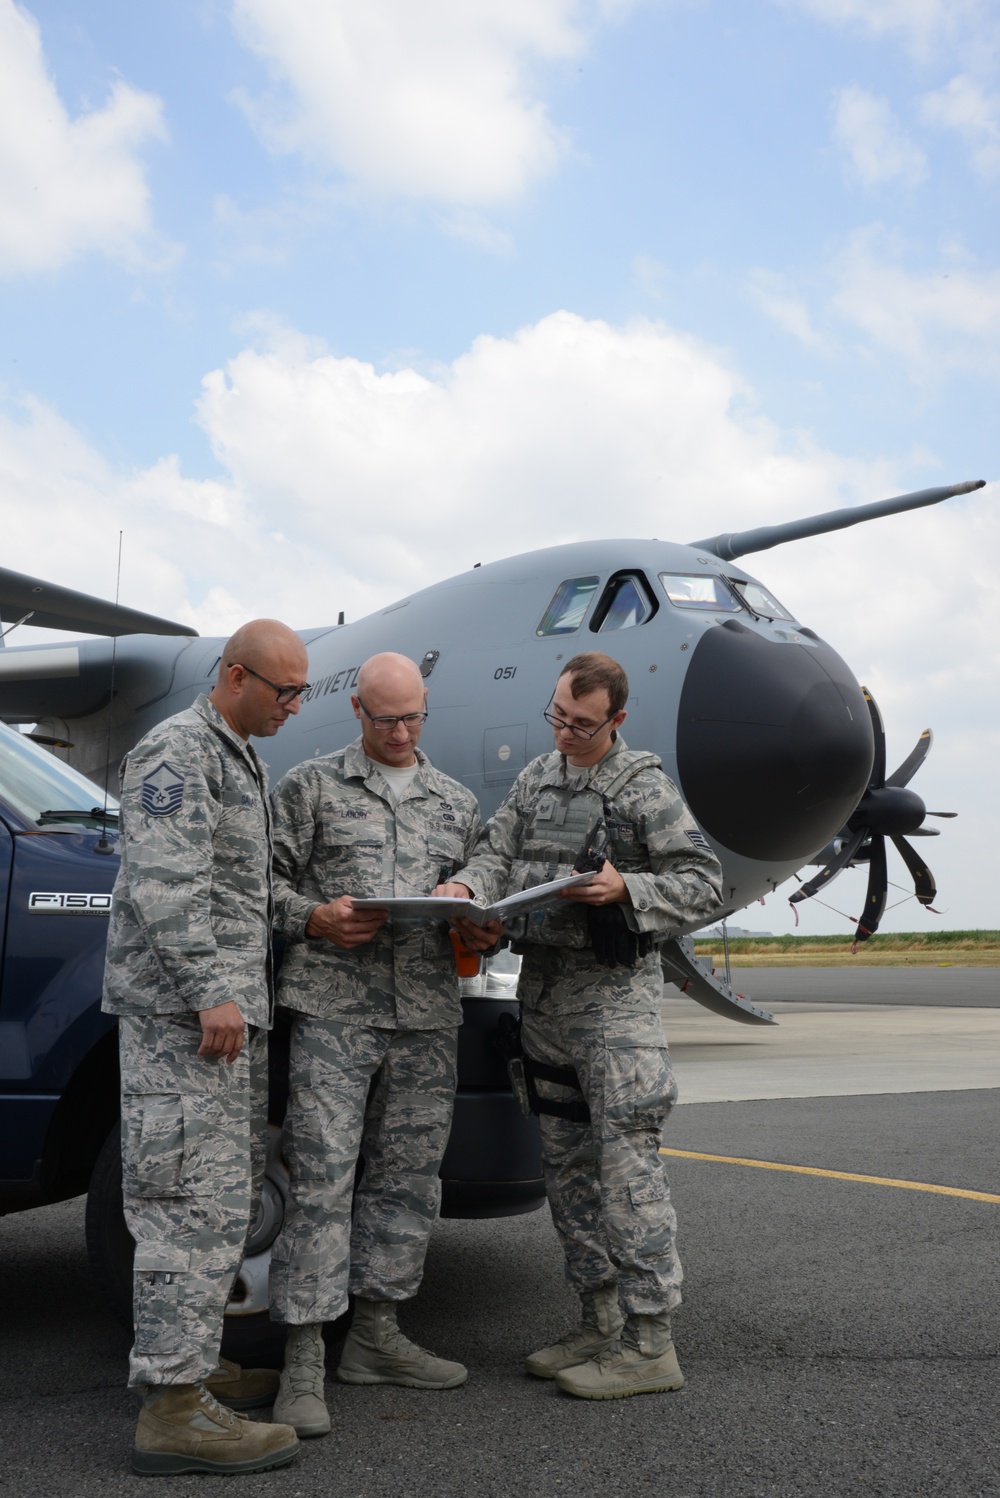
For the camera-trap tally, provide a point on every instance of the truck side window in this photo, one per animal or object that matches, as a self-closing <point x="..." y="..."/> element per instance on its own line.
<point x="36" y="785"/>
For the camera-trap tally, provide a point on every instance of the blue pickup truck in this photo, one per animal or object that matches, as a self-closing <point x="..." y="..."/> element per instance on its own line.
<point x="59" y="1114"/>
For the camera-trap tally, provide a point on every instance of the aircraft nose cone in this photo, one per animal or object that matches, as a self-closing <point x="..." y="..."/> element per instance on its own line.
<point x="774" y="742"/>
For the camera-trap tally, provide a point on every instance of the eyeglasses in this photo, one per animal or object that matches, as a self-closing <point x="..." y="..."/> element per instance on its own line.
<point x="285" y="695"/>
<point x="387" y="724"/>
<point x="578" y="733"/>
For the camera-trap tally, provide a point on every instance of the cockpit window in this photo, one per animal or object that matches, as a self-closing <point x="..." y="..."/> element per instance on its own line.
<point x="569" y="604"/>
<point x="624" y="603"/>
<point x="759" y="601"/>
<point x="40" y="788"/>
<point x="699" y="591"/>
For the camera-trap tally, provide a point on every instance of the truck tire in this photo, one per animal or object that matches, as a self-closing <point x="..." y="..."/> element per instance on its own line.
<point x="254" y="1340"/>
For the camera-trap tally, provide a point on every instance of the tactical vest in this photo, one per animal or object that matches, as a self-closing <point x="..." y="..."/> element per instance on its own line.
<point x="556" y="827"/>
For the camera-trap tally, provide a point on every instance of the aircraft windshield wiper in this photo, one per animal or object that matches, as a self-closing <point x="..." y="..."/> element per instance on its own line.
<point x="79" y="814"/>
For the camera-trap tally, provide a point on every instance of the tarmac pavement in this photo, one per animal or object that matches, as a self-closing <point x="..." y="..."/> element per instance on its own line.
<point x="838" y="1336"/>
<point x="944" y="986"/>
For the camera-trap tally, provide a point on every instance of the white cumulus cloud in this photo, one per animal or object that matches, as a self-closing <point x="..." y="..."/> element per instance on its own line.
<point x="437" y="100"/>
<point x="567" y="429"/>
<point x="785" y="307"/>
<point x="920" y="24"/>
<point x="946" y="316"/>
<point x="877" y="147"/>
<point x="965" y="106"/>
<point x="68" y="185"/>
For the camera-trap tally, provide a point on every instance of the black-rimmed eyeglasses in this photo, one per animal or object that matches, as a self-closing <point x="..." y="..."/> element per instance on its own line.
<point x="285" y="695"/>
<point x="561" y="726"/>
<point x="387" y="724"/>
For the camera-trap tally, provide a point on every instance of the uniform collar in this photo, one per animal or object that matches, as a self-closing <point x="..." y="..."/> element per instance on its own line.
<point x="559" y="771"/>
<point x="357" y="766"/>
<point x="208" y="710"/>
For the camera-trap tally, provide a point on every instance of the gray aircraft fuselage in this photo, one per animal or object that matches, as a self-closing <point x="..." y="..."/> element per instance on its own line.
<point x="759" y="722"/>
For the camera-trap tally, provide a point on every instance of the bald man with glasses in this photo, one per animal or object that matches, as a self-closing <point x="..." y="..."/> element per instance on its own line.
<point x="590" y="989"/>
<point x="188" y="972"/>
<point x="375" y="1015"/>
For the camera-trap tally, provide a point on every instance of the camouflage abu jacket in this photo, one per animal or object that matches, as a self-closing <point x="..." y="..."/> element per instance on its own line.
<point x="191" y="908"/>
<point x="672" y="876"/>
<point x="338" y="832"/>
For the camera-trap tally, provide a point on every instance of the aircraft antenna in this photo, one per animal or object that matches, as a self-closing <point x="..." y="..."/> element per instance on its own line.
<point x="103" y="846"/>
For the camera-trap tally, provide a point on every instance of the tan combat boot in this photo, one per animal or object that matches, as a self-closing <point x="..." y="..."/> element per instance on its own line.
<point x="643" y="1362"/>
<point x="300" y="1401"/>
<point x="376" y="1352"/>
<point x="600" y="1327"/>
<point x="242" y="1388"/>
<point x="183" y="1429"/>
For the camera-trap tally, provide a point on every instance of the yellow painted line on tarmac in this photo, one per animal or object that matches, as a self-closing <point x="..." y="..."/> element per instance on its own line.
<point x="838" y="1175"/>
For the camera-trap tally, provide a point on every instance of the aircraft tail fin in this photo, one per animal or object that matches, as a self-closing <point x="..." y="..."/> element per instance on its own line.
<point x="729" y="546"/>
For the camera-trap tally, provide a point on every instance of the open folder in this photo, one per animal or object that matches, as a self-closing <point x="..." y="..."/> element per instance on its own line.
<point x="429" y="908"/>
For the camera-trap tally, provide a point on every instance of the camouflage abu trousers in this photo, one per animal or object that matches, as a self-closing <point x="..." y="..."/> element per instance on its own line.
<point x="193" y="1146"/>
<point x="606" y="1180"/>
<point x="400" y="1125"/>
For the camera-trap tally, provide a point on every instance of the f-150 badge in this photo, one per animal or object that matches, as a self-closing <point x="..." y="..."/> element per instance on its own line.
<point x="57" y="902"/>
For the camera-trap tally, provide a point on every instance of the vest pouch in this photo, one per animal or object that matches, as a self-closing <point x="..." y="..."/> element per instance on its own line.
<point x="561" y="924"/>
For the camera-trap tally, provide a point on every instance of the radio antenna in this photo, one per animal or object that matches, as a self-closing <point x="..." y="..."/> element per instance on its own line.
<point x="103" y="846"/>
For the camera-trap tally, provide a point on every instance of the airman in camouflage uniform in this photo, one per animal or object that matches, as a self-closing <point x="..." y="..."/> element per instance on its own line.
<point x="373" y="1043"/>
<point x="188" y="972"/>
<point x="590" y="990"/>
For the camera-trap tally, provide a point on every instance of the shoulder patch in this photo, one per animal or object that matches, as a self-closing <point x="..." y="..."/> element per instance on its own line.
<point x="163" y="791"/>
<point x="700" y="840"/>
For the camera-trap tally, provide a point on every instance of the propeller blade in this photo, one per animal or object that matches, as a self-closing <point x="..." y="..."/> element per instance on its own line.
<point x="941" y="814"/>
<point x="877" y="778"/>
<point x="923" y="880"/>
<point x="924" y="832"/>
<point x="833" y="868"/>
<point x="911" y="764"/>
<point x="878" y="888"/>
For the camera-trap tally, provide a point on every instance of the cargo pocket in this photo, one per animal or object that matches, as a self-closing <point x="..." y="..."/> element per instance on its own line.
<point x="158" y="1279"/>
<point x="154" y="1131"/>
<point x="639" y="1087"/>
<point x="645" y="1190"/>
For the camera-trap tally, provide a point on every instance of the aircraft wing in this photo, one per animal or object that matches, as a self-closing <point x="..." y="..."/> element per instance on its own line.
<point x="52" y="607"/>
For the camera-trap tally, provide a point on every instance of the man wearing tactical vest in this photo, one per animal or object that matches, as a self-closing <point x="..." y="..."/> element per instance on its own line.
<point x="595" y="1061"/>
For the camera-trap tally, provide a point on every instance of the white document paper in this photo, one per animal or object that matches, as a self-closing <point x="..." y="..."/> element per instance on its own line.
<point x="429" y="908"/>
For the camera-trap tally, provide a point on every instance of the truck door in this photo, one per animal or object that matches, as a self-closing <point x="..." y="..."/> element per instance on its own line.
<point x="6" y="855"/>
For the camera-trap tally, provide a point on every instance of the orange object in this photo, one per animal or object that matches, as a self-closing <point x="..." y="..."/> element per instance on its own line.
<point x="467" y="962"/>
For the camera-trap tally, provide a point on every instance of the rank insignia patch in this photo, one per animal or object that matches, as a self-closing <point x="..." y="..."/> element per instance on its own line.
<point x="163" y="791"/>
<point x="700" y="841"/>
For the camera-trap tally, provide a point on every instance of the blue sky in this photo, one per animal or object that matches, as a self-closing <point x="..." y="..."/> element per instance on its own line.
<point x="502" y="273"/>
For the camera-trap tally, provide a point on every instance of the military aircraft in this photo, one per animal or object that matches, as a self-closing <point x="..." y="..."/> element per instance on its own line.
<point x="776" y="748"/>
